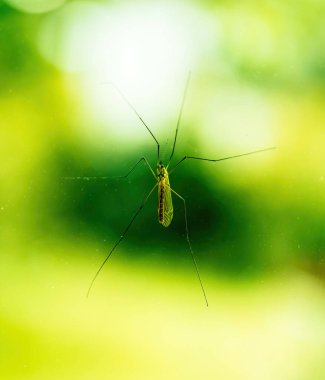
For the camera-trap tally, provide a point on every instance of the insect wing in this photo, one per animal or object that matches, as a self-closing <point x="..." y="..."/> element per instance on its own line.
<point x="168" y="206"/>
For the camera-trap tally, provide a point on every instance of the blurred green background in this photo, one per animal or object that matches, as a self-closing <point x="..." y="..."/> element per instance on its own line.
<point x="256" y="223"/>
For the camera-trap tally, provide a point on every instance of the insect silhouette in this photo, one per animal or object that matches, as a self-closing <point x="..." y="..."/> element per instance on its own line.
<point x="165" y="191"/>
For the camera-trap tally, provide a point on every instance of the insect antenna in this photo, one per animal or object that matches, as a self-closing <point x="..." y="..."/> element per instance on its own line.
<point x="179" y="116"/>
<point x="136" y="112"/>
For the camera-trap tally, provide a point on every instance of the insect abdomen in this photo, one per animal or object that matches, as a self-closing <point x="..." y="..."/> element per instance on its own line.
<point x="161" y="205"/>
<point x="165" y="206"/>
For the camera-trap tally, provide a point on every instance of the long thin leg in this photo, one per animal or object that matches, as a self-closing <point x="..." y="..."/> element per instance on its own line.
<point x="190" y="246"/>
<point x="121" y="238"/>
<point x="122" y="176"/>
<point x="136" y="112"/>
<point x="179" y="117"/>
<point x="219" y="159"/>
<point x="146" y="162"/>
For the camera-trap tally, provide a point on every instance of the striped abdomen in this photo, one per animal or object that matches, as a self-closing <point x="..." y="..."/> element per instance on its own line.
<point x="165" y="205"/>
<point x="161" y="204"/>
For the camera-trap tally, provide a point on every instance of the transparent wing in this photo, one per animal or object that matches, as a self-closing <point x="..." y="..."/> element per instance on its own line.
<point x="168" y="206"/>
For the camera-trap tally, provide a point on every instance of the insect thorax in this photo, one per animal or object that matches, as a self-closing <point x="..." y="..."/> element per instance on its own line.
<point x="162" y="173"/>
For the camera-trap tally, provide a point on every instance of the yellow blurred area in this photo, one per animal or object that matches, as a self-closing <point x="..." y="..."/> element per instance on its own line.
<point x="145" y="323"/>
<point x="256" y="223"/>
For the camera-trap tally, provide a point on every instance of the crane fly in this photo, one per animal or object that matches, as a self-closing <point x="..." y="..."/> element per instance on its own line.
<point x="165" y="204"/>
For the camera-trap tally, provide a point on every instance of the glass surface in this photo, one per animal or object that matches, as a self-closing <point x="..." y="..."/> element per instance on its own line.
<point x="256" y="223"/>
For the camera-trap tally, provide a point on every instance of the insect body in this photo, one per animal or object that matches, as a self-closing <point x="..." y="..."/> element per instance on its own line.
<point x="165" y="205"/>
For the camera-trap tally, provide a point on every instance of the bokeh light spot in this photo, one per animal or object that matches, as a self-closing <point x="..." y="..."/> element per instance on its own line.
<point x="35" y="6"/>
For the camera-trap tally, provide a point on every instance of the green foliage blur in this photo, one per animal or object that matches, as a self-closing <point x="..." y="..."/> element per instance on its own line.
<point x="256" y="223"/>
